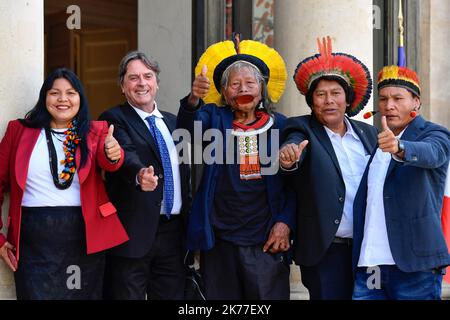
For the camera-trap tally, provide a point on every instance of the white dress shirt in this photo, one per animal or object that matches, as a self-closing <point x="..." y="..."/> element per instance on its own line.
<point x="167" y="136"/>
<point x="40" y="191"/>
<point x="375" y="249"/>
<point x="352" y="160"/>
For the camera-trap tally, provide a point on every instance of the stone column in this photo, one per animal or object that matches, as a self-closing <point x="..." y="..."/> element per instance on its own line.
<point x="21" y="76"/>
<point x="439" y="63"/>
<point x="299" y="22"/>
<point x="164" y="32"/>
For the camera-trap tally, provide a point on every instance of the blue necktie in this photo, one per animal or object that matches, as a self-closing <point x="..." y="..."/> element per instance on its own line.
<point x="165" y="158"/>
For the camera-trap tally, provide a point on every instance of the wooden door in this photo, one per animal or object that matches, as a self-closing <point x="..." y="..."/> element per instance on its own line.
<point x="58" y="43"/>
<point x="98" y="57"/>
<point x="108" y="31"/>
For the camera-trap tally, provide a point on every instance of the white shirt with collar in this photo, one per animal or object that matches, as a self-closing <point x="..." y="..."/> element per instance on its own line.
<point x="174" y="161"/>
<point x="352" y="159"/>
<point x="40" y="190"/>
<point x="375" y="248"/>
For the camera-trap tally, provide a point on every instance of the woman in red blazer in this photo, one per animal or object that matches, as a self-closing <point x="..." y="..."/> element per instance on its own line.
<point x="60" y="220"/>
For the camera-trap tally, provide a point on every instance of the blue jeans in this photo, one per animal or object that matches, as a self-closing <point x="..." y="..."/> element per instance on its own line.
<point x="388" y="282"/>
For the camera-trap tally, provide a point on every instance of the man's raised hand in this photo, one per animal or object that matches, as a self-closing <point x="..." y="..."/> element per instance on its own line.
<point x="387" y="141"/>
<point x="200" y="88"/>
<point x="291" y="153"/>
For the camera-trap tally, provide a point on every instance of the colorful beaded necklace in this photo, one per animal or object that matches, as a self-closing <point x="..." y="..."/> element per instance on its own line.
<point x="64" y="180"/>
<point x="249" y="162"/>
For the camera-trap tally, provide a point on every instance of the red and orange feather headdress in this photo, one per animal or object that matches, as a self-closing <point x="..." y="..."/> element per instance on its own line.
<point x="341" y="65"/>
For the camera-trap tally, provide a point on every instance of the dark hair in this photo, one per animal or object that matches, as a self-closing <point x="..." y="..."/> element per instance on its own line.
<point x="349" y="93"/>
<point x="137" y="55"/>
<point x="39" y="117"/>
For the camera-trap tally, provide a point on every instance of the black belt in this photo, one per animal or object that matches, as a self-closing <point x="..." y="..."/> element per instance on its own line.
<point x="339" y="240"/>
<point x="164" y="219"/>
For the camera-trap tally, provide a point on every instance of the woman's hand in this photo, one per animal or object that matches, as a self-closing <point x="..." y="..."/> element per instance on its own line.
<point x="8" y="256"/>
<point x="112" y="147"/>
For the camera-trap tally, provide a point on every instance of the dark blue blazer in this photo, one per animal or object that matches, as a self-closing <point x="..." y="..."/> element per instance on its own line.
<point x="200" y="235"/>
<point x="413" y="194"/>
<point x="319" y="185"/>
<point x="139" y="211"/>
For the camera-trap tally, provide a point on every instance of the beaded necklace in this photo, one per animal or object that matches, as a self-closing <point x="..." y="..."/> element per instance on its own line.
<point x="249" y="164"/>
<point x="64" y="180"/>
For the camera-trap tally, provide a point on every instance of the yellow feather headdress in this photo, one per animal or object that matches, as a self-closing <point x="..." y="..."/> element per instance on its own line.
<point x="221" y="55"/>
<point x="399" y="77"/>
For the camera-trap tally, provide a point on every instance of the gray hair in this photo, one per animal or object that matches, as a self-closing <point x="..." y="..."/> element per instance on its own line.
<point x="238" y="65"/>
<point x="137" y="55"/>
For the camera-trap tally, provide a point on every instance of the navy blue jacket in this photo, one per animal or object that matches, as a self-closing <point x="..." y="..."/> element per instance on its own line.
<point x="200" y="235"/>
<point x="319" y="185"/>
<point x="139" y="211"/>
<point x="413" y="194"/>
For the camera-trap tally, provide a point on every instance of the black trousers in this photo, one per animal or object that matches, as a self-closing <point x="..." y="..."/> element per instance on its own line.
<point x="331" y="278"/>
<point x="53" y="261"/>
<point x="244" y="273"/>
<point x="159" y="275"/>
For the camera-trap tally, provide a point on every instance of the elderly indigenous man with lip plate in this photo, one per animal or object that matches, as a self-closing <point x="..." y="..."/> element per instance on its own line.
<point x="325" y="155"/>
<point x="241" y="217"/>
<point x="150" y="191"/>
<point x="398" y="233"/>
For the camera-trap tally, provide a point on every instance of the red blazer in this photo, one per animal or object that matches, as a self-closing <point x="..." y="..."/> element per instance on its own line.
<point x="103" y="228"/>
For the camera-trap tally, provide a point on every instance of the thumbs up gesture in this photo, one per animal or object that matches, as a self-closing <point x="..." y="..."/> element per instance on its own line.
<point x="291" y="153"/>
<point x="200" y="88"/>
<point x="387" y="141"/>
<point x="147" y="179"/>
<point x="112" y="147"/>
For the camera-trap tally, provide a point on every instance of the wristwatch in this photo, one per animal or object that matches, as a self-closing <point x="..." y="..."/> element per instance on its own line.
<point x="401" y="146"/>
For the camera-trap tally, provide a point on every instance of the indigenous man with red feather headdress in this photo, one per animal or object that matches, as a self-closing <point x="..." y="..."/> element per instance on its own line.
<point x="326" y="154"/>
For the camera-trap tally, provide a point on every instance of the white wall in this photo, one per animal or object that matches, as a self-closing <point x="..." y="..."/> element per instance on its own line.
<point x="164" y="33"/>
<point x="21" y="76"/>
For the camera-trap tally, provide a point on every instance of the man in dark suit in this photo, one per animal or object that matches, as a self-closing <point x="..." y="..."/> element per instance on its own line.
<point x="399" y="247"/>
<point x="326" y="154"/>
<point x="150" y="191"/>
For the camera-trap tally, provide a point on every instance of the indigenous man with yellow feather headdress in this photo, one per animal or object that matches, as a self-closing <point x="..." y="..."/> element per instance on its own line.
<point x="241" y="217"/>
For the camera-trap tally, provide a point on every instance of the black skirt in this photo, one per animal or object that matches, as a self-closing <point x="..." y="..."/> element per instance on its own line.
<point x="53" y="263"/>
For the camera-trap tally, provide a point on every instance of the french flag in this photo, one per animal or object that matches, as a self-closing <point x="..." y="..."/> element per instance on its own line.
<point x="446" y="218"/>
